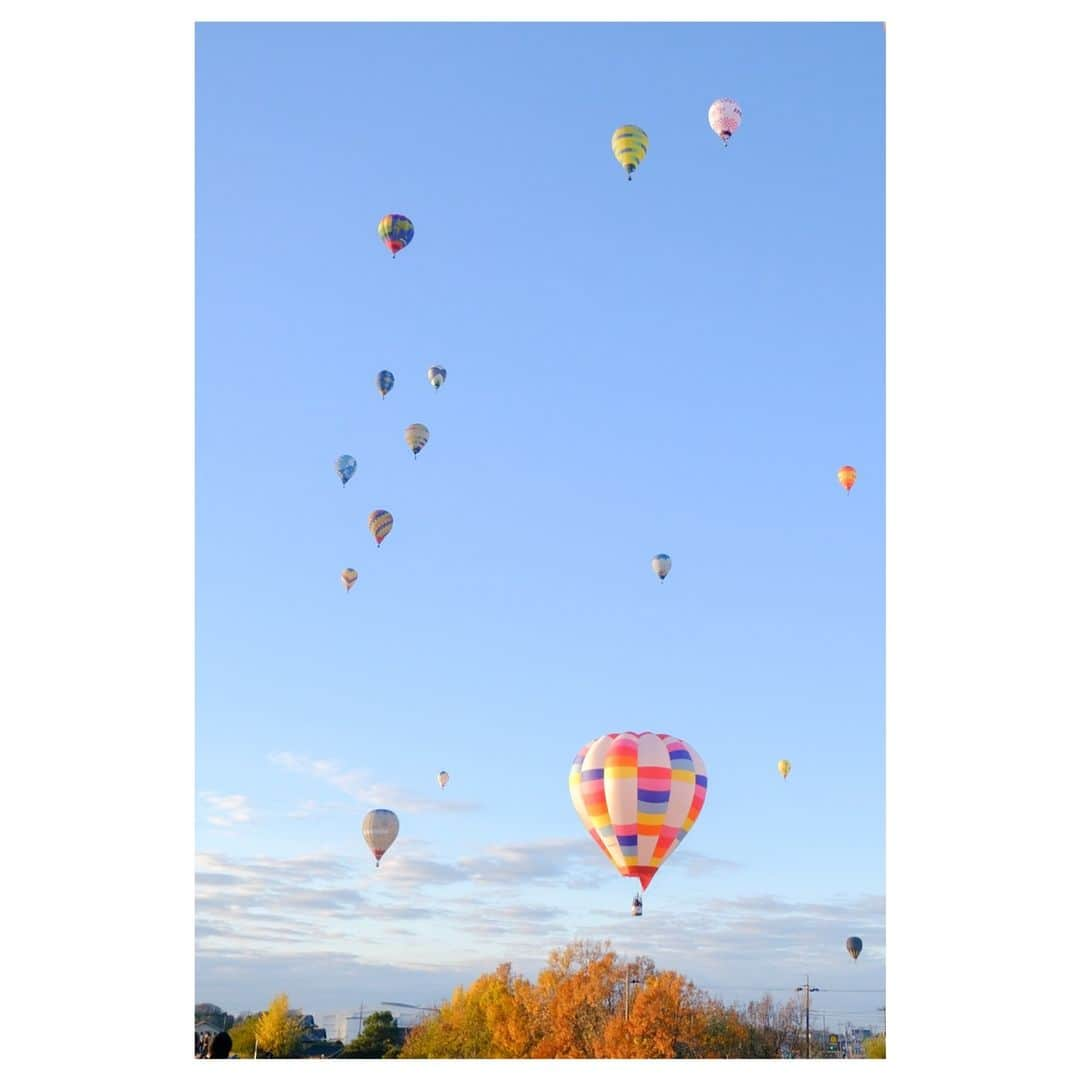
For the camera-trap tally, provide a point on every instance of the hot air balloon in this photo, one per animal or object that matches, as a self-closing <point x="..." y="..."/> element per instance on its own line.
<point x="380" y="829"/>
<point x="416" y="437"/>
<point x="783" y="767"/>
<point x="443" y="778"/>
<point x="384" y="381"/>
<point x="725" y="116"/>
<point x="379" y="523"/>
<point x="436" y="376"/>
<point x="854" y="947"/>
<point x="638" y="794"/>
<point x="846" y="476"/>
<point x="345" y="466"/>
<point x="396" y="232"/>
<point x="348" y="577"/>
<point x="629" y="144"/>
<point x="661" y="565"/>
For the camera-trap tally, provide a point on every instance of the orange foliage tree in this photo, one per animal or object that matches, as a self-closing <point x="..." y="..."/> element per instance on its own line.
<point x="587" y="1004"/>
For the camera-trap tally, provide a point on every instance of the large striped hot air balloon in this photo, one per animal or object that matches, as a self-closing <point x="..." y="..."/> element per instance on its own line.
<point x="629" y="144"/>
<point x="395" y="231"/>
<point x="725" y="116"/>
<point x="638" y="794"/>
<point x="380" y="829"/>
<point x="379" y="523"/>
<point x="846" y="476"/>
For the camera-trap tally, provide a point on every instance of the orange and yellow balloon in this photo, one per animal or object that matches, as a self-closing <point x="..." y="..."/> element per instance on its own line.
<point x="783" y="767"/>
<point x="638" y="794"/>
<point x="348" y="578"/>
<point x="846" y="476"/>
<point x="379" y="523"/>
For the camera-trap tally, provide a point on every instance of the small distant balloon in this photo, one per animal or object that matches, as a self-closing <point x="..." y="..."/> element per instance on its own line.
<point x="846" y="476"/>
<point x="629" y="144"/>
<point x="854" y="947"/>
<point x="384" y="381"/>
<point x="380" y="829"/>
<point x="345" y="466"/>
<point x="436" y="376"/>
<point x="725" y="116"/>
<point x="783" y="766"/>
<point x="379" y="523"/>
<point x="348" y="578"/>
<point x="443" y="778"/>
<point x="396" y="232"/>
<point x="661" y="565"/>
<point x="416" y="437"/>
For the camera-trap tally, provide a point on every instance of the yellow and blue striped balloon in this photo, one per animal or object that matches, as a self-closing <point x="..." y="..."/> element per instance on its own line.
<point x="629" y="144"/>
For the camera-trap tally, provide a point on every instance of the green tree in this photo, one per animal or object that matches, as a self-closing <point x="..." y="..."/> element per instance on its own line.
<point x="874" y="1047"/>
<point x="277" y="1030"/>
<point x="381" y="1038"/>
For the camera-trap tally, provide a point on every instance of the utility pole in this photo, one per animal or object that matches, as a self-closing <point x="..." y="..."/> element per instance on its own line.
<point x="808" y="990"/>
<point x="626" y="996"/>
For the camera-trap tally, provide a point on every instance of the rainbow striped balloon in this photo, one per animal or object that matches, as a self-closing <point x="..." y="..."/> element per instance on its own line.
<point x="638" y="794"/>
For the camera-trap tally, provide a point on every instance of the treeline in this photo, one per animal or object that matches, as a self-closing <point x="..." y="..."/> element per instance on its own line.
<point x="586" y="1003"/>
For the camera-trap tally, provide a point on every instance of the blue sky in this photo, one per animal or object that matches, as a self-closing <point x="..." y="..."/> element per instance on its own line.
<point x="677" y="364"/>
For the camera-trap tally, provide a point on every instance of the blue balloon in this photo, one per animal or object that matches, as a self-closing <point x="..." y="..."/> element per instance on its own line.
<point x="385" y="382"/>
<point x="345" y="466"/>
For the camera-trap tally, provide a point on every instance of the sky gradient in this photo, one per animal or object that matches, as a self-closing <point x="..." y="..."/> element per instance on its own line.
<point x="677" y="364"/>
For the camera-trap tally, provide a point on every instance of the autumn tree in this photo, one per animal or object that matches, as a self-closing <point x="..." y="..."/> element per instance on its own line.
<point x="278" y="1031"/>
<point x="874" y="1047"/>
<point x="493" y="1018"/>
<point x="242" y="1034"/>
<point x="576" y="995"/>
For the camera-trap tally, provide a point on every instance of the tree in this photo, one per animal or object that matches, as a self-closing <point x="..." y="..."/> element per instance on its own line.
<point x="874" y="1047"/>
<point x="206" y="1013"/>
<point x="277" y="1030"/>
<point x="380" y="1038"/>
<point x="243" y="1036"/>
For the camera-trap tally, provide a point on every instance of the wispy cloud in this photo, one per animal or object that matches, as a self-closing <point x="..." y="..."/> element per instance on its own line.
<point x="229" y="810"/>
<point x="359" y="785"/>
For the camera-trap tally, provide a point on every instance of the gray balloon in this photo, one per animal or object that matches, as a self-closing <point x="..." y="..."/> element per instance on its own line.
<point x="854" y="947"/>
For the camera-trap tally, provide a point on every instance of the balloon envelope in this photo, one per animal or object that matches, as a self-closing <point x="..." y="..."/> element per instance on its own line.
<point x="348" y="578"/>
<point x="443" y="778"/>
<point x="385" y="382"/>
<point x="629" y="144"/>
<point x="396" y="232"/>
<point x="784" y="767"/>
<point x="436" y="376"/>
<point x="380" y="829"/>
<point x="854" y="947"/>
<point x="661" y="565"/>
<point x="725" y="116"/>
<point x="846" y="476"/>
<point x="416" y="437"/>
<point x="380" y="522"/>
<point x="345" y="466"/>
<point x="638" y="794"/>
